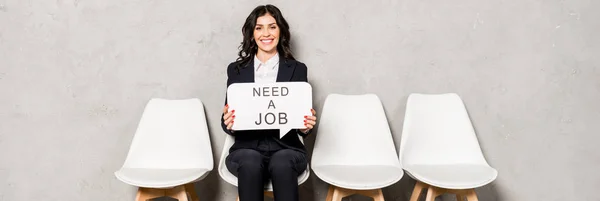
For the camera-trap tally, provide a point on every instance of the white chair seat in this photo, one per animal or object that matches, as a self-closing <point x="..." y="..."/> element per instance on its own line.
<point x="232" y="179"/>
<point x="160" y="178"/>
<point x="459" y="176"/>
<point x="365" y="177"/>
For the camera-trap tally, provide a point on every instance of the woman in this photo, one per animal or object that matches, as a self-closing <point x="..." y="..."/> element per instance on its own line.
<point x="259" y="155"/>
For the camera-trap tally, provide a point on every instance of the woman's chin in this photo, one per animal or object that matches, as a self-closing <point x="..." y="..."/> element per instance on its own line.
<point x="268" y="49"/>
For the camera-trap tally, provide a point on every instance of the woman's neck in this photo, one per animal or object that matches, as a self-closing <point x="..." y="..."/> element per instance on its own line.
<point x="265" y="56"/>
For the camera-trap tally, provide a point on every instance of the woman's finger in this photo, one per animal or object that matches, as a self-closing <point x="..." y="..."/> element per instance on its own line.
<point x="228" y="114"/>
<point x="225" y="109"/>
<point x="229" y="119"/>
<point x="308" y="126"/>
<point x="311" y="122"/>
<point x="314" y="113"/>
<point x="314" y="118"/>
<point x="229" y="125"/>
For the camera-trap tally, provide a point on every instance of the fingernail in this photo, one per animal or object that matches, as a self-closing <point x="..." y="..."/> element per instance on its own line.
<point x="233" y="116"/>
<point x="232" y="110"/>
<point x="226" y="105"/>
<point x="305" y="116"/>
<point x="304" y="121"/>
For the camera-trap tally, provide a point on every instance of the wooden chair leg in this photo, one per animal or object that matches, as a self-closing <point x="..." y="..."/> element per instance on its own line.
<point x="378" y="196"/>
<point x="145" y="194"/>
<point x="189" y="188"/>
<point x="330" y="193"/>
<point x="180" y="193"/>
<point x="337" y="193"/>
<point x="471" y="195"/>
<point x="177" y="193"/>
<point x="432" y="193"/>
<point x="419" y="186"/>
<point x="461" y="194"/>
<point x="268" y="194"/>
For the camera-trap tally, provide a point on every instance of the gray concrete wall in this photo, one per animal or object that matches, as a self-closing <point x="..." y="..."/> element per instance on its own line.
<point x="76" y="74"/>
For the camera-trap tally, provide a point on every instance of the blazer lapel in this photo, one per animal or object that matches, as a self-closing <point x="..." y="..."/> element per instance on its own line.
<point x="247" y="73"/>
<point x="286" y="70"/>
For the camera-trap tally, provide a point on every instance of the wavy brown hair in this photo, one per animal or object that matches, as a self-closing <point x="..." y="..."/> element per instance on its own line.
<point x="248" y="47"/>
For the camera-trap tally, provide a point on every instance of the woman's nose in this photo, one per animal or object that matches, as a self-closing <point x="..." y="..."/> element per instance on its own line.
<point x="265" y="32"/>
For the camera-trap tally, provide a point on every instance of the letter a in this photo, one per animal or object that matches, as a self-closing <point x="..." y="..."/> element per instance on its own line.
<point x="271" y="104"/>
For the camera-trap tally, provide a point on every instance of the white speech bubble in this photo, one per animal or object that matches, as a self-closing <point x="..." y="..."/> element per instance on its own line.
<point x="280" y="105"/>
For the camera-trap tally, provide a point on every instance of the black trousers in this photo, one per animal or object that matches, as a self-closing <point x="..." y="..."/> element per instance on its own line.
<point x="254" y="168"/>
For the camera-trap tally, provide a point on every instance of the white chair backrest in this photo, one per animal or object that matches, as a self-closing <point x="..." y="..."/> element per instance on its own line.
<point x="437" y="130"/>
<point x="172" y="134"/>
<point x="353" y="130"/>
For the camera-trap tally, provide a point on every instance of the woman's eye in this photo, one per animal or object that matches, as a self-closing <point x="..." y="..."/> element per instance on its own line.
<point x="257" y="28"/>
<point x="273" y="27"/>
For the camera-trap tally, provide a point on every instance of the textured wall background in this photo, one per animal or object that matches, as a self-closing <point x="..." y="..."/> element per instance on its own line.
<point x="76" y="74"/>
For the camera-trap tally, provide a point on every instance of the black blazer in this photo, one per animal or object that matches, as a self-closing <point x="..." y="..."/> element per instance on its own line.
<point x="289" y="71"/>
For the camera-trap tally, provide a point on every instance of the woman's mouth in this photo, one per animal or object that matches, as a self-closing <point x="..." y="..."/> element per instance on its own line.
<point x="266" y="41"/>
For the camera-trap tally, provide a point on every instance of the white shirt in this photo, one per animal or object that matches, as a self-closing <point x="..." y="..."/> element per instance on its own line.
<point x="266" y="72"/>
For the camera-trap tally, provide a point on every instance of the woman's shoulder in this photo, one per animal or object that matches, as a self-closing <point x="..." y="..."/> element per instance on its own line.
<point x="232" y="67"/>
<point x="233" y="64"/>
<point x="296" y="63"/>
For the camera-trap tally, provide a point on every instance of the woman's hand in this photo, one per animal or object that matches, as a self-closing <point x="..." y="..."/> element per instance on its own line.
<point x="228" y="116"/>
<point x="310" y="121"/>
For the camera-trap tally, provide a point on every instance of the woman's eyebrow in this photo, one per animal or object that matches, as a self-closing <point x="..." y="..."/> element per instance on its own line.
<point x="274" y="23"/>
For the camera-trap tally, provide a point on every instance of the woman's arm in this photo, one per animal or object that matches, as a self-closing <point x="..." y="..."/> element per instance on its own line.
<point x="302" y="71"/>
<point x="230" y="69"/>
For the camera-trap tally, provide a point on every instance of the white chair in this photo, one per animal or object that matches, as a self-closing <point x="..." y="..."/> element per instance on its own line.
<point x="232" y="179"/>
<point x="354" y="151"/>
<point x="170" y="150"/>
<point x="439" y="148"/>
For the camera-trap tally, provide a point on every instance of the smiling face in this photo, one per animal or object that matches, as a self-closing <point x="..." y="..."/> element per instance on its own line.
<point x="266" y="34"/>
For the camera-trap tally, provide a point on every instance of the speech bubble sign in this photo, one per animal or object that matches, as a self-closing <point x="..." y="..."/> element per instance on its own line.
<point x="280" y="105"/>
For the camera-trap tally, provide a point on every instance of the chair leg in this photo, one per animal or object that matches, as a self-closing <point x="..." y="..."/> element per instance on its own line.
<point x="145" y="194"/>
<point x="432" y="193"/>
<point x="461" y="194"/>
<point x="189" y="188"/>
<point x="337" y="193"/>
<point x="378" y="196"/>
<point x="330" y="193"/>
<point x="269" y="194"/>
<point x="471" y="195"/>
<point x="417" y="191"/>
<point x="177" y="193"/>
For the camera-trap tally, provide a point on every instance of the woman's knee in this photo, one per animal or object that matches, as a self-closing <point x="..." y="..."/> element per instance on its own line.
<point x="245" y="160"/>
<point x="287" y="161"/>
